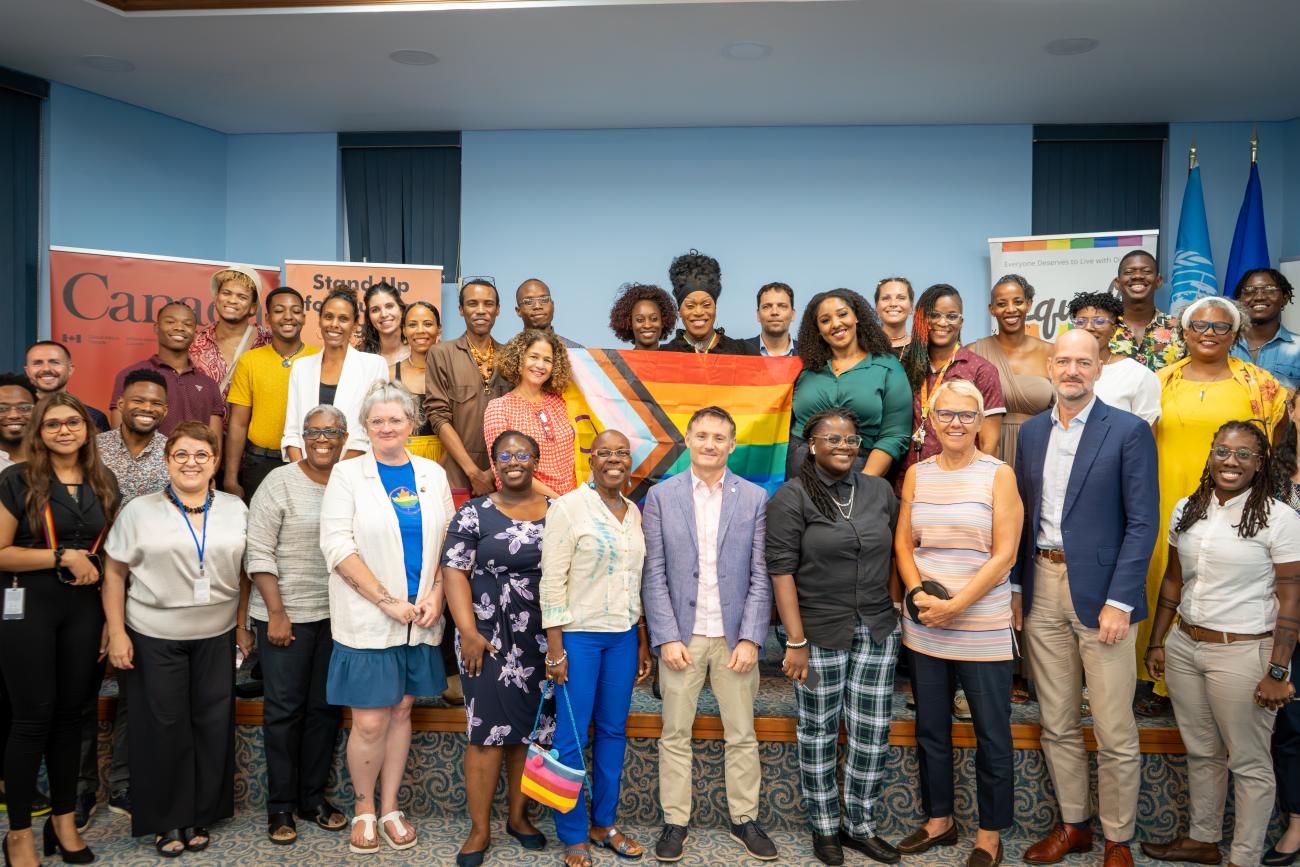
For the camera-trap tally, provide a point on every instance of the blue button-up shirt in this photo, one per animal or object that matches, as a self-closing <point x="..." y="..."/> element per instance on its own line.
<point x="1280" y="356"/>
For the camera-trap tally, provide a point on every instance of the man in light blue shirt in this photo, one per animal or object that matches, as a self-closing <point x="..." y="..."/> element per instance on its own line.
<point x="1264" y="292"/>
<point x="775" y="313"/>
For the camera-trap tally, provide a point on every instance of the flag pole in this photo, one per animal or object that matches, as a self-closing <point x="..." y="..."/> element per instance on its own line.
<point x="1254" y="144"/>
<point x="1191" y="155"/>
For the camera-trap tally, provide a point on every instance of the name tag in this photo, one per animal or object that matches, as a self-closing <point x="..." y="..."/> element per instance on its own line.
<point x="202" y="590"/>
<point x="15" y="602"/>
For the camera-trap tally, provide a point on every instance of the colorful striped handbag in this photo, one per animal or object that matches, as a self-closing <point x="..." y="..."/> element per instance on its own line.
<point x="547" y="780"/>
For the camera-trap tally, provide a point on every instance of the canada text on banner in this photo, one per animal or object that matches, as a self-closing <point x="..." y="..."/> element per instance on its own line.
<point x="650" y="397"/>
<point x="103" y="305"/>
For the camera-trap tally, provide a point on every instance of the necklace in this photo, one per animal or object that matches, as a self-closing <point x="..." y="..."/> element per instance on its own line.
<point x="939" y="461"/>
<point x="702" y="349"/>
<point x="484" y="361"/>
<point x="287" y="360"/>
<point x="191" y="510"/>
<point x="846" y="509"/>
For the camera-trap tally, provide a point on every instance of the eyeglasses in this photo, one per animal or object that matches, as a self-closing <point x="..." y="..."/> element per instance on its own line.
<point x="606" y="454"/>
<point x="199" y="458"/>
<point x="540" y="301"/>
<point x="1222" y="452"/>
<point x="521" y="457"/>
<point x="323" y="433"/>
<point x="935" y="316"/>
<point x="545" y="421"/>
<point x="1266" y="291"/>
<point x="965" y="416"/>
<point x="72" y="423"/>
<point x="1094" y="321"/>
<point x="833" y="440"/>
<point x="1200" y="326"/>
<point x="24" y="408"/>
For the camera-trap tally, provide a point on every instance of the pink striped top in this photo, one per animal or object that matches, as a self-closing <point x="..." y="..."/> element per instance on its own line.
<point x="952" y="528"/>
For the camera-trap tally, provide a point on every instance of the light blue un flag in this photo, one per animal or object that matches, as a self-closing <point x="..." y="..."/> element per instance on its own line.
<point x="1192" y="275"/>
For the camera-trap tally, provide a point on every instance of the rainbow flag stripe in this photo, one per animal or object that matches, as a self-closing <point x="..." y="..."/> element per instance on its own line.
<point x="1072" y="243"/>
<point x="650" y="396"/>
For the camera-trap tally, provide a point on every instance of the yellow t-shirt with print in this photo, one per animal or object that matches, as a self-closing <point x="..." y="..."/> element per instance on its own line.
<point x="261" y="381"/>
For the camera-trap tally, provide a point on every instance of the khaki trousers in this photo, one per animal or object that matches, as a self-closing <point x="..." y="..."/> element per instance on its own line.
<point x="735" y="692"/>
<point x="1061" y="648"/>
<point x="1212" y="687"/>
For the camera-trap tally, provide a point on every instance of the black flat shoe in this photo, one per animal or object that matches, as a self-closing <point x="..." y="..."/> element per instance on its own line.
<point x="532" y="842"/>
<point x="197" y="831"/>
<point x="326" y="816"/>
<point x="877" y="848"/>
<point x="175" y="835"/>
<point x="919" y="841"/>
<point x="52" y="845"/>
<point x="1274" y="858"/>
<point x="827" y="849"/>
<point x="279" y="822"/>
<point x="472" y="859"/>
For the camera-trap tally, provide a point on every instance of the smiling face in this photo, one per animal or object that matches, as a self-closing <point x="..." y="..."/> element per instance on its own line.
<point x="775" y="312"/>
<point x="610" y="460"/>
<point x="945" y="322"/>
<point x="388" y="427"/>
<point x="955" y="436"/>
<point x="893" y="305"/>
<point x="1009" y="305"/>
<point x="534" y="305"/>
<point x="175" y="327"/>
<point x="1075" y="366"/>
<point x="191" y="464"/>
<point x="1092" y="317"/>
<point x="233" y="302"/>
<point x="515" y="475"/>
<point x="1208" y="347"/>
<point x="834" y="460"/>
<point x="698" y="311"/>
<point x="420" y="328"/>
<point x="1262" y="298"/>
<point x="384" y="313"/>
<point x="479" y="309"/>
<point x="323" y="441"/>
<point x="537" y="364"/>
<point x="1139" y="278"/>
<point x="143" y="406"/>
<point x="1232" y="474"/>
<point x="647" y="325"/>
<point x="337" y="319"/>
<point x="48" y="367"/>
<point x="837" y="323"/>
<point x="15" y="413"/>
<point x="711" y="441"/>
<point x="286" y="315"/>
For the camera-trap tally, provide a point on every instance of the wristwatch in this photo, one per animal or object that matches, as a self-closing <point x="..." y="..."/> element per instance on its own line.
<point x="58" y="556"/>
<point x="1277" y="672"/>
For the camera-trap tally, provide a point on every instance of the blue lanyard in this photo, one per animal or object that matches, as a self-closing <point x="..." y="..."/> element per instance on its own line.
<point x="198" y="546"/>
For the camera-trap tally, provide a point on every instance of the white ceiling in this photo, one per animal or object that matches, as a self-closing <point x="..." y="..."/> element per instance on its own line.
<point x="630" y="64"/>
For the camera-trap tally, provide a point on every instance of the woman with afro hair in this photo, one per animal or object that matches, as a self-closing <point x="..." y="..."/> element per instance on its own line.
<point x="642" y="314"/>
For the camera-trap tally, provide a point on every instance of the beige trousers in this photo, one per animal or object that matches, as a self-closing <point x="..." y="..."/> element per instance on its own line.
<point x="735" y="692"/>
<point x="1062" y="648"/>
<point x="1212" y="687"/>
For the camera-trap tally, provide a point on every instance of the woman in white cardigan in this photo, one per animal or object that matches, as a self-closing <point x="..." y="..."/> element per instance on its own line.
<point x="383" y="520"/>
<point x="338" y="375"/>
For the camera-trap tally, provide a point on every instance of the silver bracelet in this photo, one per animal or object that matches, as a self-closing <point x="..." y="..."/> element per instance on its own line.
<point x="557" y="663"/>
<point x="790" y="645"/>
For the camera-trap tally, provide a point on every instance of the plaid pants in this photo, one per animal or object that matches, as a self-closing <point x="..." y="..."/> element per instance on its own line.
<point x="859" y="683"/>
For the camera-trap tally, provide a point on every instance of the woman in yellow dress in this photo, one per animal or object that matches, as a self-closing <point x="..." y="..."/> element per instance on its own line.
<point x="421" y="328"/>
<point x="1198" y="394"/>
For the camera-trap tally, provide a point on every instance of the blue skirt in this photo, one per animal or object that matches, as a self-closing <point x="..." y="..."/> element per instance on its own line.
<point x="379" y="678"/>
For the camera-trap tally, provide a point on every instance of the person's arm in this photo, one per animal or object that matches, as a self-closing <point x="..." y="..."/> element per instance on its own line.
<point x="989" y="436"/>
<point x="244" y="638"/>
<point x="1008" y="521"/>
<point x="988" y="439"/>
<point x="785" y="528"/>
<point x="438" y="411"/>
<point x="291" y="442"/>
<point x="904" y="545"/>
<point x="1141" y="506"/>
<point x="236" y="440"/>
<point x="1272" y="693"/>
<point x="895" y="420"/>
<point x="657" y="602"/>
<point x="261" y="559"/>
<point x="757" y="615"/>
<point x="121" y="653"/>
<point x="1025" y="553"/>
<point x="1171" y="594"/>
<point x="558" y="546"/>
<point x="16" y="559"/>
<point x="1146" y="399"/>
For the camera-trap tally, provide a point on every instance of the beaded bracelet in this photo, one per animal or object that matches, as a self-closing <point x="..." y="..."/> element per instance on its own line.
<point x="791" y="645"/>
<point x="557" y="663"/>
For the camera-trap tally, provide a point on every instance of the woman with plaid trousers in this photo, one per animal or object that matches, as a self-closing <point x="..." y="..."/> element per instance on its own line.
<point x="829" y="540"/>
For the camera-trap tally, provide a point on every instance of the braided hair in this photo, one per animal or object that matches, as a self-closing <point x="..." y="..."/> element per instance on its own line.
<point x="916" y="357"/>
<point x="1254" y="516"/>
<point x="812" y="483"/>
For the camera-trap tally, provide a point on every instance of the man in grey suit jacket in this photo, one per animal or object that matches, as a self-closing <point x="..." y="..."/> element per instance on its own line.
<point x="708" y="601"/>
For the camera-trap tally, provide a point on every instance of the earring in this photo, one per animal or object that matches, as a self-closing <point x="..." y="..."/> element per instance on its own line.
<point x="812" y="451"/>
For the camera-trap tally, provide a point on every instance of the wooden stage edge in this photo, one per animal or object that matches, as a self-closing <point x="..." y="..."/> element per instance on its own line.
<point x="769" y="728"/>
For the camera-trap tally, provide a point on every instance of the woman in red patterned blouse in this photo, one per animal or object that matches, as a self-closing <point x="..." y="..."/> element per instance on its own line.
<point x="537" y="363"/>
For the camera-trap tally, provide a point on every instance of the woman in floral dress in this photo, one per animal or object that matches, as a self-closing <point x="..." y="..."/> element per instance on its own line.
<point x="492" y="566"/>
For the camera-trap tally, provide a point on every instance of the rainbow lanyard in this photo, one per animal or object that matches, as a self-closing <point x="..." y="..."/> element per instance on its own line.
<point x="52" y="538"/>
<point x="918" y="435"/>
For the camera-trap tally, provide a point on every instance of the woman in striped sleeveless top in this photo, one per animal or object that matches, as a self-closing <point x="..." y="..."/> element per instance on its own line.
<point x="958" y="528"/>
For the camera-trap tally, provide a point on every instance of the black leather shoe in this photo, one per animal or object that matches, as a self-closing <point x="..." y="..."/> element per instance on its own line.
<point x="754" y="839"/>
<point x="827" y="848"/>
<point x="919" y="841"/>
<point x="877" y="848"/>
<point x="1274" y="858"/>
<point x="671" y="842"/>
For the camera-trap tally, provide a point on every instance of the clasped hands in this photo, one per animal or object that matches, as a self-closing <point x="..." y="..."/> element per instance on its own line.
<point x="743" y="657"/>
<point x="423" y="613"/>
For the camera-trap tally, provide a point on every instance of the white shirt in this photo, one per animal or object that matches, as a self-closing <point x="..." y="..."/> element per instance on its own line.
<point x="4" y="460"/>
<point x="1130" y="386"/>
<point x="708" y="516"/>
<point x="1228" y="581"/>
<point x="1062" y="446"/>
<point x="361" y="370"/>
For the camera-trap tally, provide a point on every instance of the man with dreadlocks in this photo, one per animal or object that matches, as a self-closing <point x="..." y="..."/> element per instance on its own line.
<point x="1233" y="579"/>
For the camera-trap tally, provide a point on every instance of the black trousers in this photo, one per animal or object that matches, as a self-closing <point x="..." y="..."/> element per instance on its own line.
<point x="119" y="778"/>
<point x="253" y="470"/>
<point x="988" y="689"/>
<point x="299" y="727"/>
<point x="49" y="661"/>
<point x="182" y="733"/>
<point x="1286" y="751"/>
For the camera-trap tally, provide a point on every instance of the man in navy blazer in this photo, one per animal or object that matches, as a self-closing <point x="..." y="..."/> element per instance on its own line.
<point x="1087" y="476"/>
<point x="708" y="601"/>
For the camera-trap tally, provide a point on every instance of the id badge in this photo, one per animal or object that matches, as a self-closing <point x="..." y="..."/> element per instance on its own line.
<point x="202" y="590"/>
<point x="15" y="603"/>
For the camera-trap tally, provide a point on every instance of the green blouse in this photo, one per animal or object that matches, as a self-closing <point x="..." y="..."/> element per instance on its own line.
<point x="875" y="388"/>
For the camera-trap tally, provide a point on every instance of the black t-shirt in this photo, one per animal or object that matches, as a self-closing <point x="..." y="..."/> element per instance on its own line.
<point x="78" y="522"/>
<point x="725" y="345"/>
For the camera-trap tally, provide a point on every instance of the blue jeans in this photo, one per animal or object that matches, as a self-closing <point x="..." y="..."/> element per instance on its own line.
<point x="602" y="670"/>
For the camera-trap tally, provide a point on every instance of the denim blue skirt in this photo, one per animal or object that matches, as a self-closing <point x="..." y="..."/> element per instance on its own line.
<point x="379" y="678"/>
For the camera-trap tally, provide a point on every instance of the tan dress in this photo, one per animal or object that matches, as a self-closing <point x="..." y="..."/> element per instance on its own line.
<point x="1026" y="395"/>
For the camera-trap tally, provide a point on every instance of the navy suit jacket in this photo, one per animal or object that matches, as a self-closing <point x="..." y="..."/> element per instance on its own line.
<point x="757" y="343"/>
<point x="1111" y="515"/>
<point x="671" y="576"/>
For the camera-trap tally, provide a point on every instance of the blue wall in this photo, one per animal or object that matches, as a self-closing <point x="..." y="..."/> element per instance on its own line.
<point x="1290" y="247"/>
<point x="815" y="207"/>
<point x="282" y="198"/>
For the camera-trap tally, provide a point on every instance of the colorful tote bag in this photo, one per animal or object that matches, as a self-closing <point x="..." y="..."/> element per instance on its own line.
<point x="547" y="780"/>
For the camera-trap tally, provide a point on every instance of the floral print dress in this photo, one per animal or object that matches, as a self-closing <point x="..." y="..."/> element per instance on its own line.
<point x="503" y="559"/>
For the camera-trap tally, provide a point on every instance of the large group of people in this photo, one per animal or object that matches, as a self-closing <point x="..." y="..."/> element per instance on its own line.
<point x="389" y="516"/>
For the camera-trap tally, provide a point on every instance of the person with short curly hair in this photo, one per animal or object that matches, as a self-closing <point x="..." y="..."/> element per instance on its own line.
<point x="697" y="283"/>
<point x="538" y="365"/>
<point x="642" y="314"/>
<point x="1125" y="384"/>
<point x="218" y="345"/>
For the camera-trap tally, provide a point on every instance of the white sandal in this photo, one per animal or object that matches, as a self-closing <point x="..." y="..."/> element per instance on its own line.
<point x="369" y="820"/>
<point x="398" y="817"/>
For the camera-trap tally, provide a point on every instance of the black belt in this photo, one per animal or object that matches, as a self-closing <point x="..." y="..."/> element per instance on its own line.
<point x="260" y="452"/>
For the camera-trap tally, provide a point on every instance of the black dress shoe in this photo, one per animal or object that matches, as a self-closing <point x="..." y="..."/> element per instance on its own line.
<point x="671" y="842"/>
<point x="877" y="848"/>
<point x="827" y="848"/>
<point x="919" y="841"/>
<point x="1274" y="858"/>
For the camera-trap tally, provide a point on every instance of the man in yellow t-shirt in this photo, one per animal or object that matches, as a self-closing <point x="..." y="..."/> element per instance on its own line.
<point x="259" y="396"/>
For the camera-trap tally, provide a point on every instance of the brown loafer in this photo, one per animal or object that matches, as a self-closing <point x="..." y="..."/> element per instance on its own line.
<point x="1063" y="840"/>
<point x="1118" y="855"/>
<point x="1184" y="849"/>
<point x="981" y="858"/>
<point x="920" y="841"/>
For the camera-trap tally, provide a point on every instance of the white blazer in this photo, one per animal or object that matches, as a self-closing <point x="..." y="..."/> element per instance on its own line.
<point x="357" y="518"/>
<point x="360" y="371"/>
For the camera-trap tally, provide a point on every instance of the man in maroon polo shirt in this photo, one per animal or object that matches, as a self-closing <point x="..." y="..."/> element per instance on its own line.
<point x="191" y="394"/>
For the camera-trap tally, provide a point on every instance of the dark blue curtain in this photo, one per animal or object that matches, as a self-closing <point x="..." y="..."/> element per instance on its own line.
<point x="1097" y="179"/>
<point x="20" y="190"/>
<point x="402" y="198"/>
